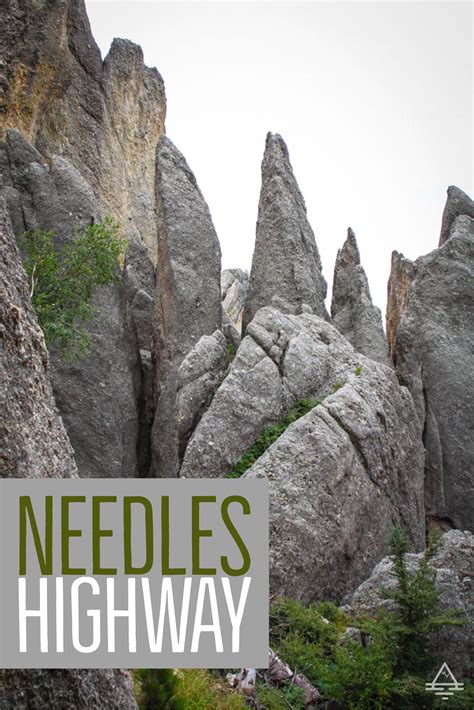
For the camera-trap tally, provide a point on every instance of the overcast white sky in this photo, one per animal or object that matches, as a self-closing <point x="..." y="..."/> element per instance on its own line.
<point x="374" y="101"/>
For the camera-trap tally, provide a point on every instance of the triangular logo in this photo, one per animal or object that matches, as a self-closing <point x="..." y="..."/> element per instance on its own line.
<point x="444" y="683"/>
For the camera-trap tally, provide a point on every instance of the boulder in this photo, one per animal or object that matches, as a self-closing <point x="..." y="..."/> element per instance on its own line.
<point x="352" y="310"/>
<point x="34" y="444"/>
<point x="188" y="295"/>
<point x="457" y="203"/>
<point x="342" y="475"/>
<point x="199" y="375"/>
<point x="452" y="565"/>
<point x="286" y="267"/>
<point x="434" y="355"/>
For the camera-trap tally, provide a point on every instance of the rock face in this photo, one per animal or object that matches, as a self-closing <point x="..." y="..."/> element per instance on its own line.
<point x="286" y="267"/>
<point x="452" y="563"/>
<point x="352" y="310"/>
<point x="188" y="296"/>
<point x="199" y="376"/>
<point x="402" y="273"/>
<point x="342" y="475"/>
<point x="435" y="360"/>
<point x="105" y="118"/>
<point x="35" y="444"/>
<point x="97" y="397"/>
<point x="457" y="203"/>
<point x="234" y="290"/>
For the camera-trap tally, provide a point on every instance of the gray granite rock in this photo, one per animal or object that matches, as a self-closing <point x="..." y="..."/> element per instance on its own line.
<point x="286" y="267"/>
<point x="435" y="360"/>
<point x="234" y="290"/>
<point x="457" y="203"/>
<point x="188" y="294"/>
<point x="282" y="359"/>
<point x="452" y="564"/>
<point x="340" y="478"/>
<point x="34" y="444"/>
<point x="199" y="376"/>
<point x="97" y="397"/>
<point x="352" y="310"/>
<point x="104" y="117"/>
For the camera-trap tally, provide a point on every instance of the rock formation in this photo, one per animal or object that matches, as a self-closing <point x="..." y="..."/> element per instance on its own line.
<point x="352" y="310"/>
<point x="60" y="95"/>
<point x="402" y="273"/>
<point x="34" y="444"/>
<point x="452" y="563"/>
<point x="342" y="475"/>
<point x="286" y="267"/>
<point x="97" y="397"/>
<point x="434" y="353"/>
<point x="188" y="295"/>
<point x="234" y="289"/>
<point x="457" y="203"/>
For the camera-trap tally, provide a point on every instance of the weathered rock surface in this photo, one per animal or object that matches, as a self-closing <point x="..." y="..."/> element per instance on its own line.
<point x="435" y="360"/>
<point x="199" y="375"/>
<point x="34" y="443"/>
<point x="234" y="290"/>
<point x="188" y="295"/>
<point x="104" y="117"/>
<point x="342" y="475"/>
<point x="60" y="689"/>
<point x="33" y="439"/>
<point x="286" y="267"/>
<point x="402" y="273"/>
<point x="97" y="397"/>
<point x="352" y="310"/>
<point x="453" y="564"/>
<point x="457" y="203"/>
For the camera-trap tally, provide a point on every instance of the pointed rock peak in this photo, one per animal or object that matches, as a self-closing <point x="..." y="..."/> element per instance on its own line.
<point x="286" y="266"/>
<point x="457" y="203"/>
<point x="352" y="310"/>
<point x="349" y="254"/>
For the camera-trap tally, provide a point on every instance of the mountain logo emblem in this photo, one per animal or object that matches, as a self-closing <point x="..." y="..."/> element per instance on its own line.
<point x="444" y="683"/>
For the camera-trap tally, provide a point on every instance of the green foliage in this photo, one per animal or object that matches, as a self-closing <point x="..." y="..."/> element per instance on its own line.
<point x="417" y="610"/>
<point x="192" y="688"/>
<point x="358" y="370"/>
<point x="360" y="678"/>
<point x="230" y="351"/>
<point x="337" y="385"/>
<point x="390" y="669"/>
<point x="269" y="436"/>
<point x="63" y="277"/>
<point x="287" y="696"/>
<point x="157" y="689"/>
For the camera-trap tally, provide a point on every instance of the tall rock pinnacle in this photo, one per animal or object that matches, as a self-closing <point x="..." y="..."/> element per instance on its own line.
<point x="457" y="203"/>
<point x="188" y="295"/>
<point x="352" y="310"/>
<point x="286" y="267"/>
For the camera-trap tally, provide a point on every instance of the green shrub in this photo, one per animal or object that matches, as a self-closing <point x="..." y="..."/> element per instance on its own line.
<point x="157" y="689"/>
<point x="63" y="277"/>
<point x="269" y="436"/>
<point x="417" y="612"/>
